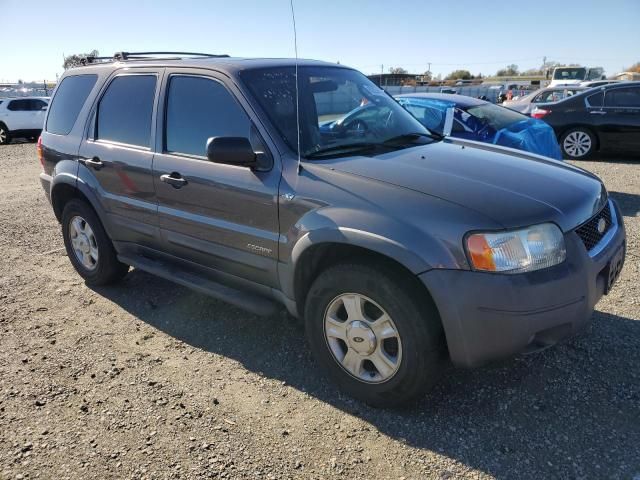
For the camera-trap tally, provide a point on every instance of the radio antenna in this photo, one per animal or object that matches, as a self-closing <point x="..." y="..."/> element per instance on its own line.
<point x="295" y="46"/>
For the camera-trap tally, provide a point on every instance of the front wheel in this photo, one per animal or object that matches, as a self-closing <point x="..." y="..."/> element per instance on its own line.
<point x="88" y="246"/>
<point x="578" y="143"/>
<point x="374" y="333"/>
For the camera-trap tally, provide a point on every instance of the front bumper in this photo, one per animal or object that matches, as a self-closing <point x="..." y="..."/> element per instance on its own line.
<point x="488" y="316"/>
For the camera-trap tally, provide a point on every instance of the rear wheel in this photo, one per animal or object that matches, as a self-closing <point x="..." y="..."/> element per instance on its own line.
<point x="5" y="137"/>
<point x="578" y="143"/>
<point x="88" y="246"/>
<point x="374" y="334"/>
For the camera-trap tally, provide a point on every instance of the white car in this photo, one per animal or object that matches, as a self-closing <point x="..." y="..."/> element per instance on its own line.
<point x="21" y="117"/>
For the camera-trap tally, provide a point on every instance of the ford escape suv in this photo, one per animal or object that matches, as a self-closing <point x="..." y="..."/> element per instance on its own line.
<point x="399" y="248"/>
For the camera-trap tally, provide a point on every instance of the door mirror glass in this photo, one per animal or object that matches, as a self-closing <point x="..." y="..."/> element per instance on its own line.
<point x="232" y="151"/>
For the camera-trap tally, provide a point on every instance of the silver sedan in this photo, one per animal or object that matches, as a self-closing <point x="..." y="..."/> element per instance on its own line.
<point x="528" y="103"/>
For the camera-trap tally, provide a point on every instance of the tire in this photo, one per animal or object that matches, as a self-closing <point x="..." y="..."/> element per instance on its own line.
<point x="5" y="136"/>
<point x="578" y="143"/>
<point x="101" y="266"/>
<point x="416" y="354"/>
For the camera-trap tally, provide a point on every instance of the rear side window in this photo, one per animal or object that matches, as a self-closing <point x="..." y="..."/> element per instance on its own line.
<point x="67" y="103"/>
<point x="124" y="112"/>
<point x="622" y="97"/>
<point x="197" y="109"/>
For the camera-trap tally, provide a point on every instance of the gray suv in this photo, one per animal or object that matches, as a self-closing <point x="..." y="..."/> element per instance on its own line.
<point x="267" y="182"/>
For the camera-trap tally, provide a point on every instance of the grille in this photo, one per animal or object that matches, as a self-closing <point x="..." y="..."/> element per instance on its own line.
<point x="588" y="231"/>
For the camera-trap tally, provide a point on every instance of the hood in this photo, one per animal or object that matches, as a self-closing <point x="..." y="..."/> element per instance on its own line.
<point x="513" y="188"/>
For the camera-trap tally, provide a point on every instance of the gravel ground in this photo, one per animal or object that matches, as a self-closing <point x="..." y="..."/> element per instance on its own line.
<point x="150" y="380"/>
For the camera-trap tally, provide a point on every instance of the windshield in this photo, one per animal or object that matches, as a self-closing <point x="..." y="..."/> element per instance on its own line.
<point x="338" y="107"/>
<point x="570" y="73"/>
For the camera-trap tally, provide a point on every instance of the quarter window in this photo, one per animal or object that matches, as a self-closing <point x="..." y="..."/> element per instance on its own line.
<point x="68" y="101"/>
<point x="197" y="109"/>
<point x="125" y="110"/>
<point x="595" y="100"/>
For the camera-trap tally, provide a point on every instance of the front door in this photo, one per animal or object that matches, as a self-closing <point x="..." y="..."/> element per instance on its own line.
<point x="224" y="217"/>
<point x="116" y="156"/>
<point x="621" y="121"/>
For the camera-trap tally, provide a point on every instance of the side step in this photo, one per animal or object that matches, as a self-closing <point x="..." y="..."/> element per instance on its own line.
<point x="253" y="303"/>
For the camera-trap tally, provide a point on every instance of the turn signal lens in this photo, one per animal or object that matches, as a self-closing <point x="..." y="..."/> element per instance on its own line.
<point x="526" y="250"/>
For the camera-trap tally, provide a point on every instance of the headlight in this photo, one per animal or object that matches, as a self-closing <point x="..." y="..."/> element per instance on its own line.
<point x="516" y="251"/>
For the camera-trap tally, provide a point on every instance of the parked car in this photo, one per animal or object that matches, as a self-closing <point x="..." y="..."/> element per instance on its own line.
<point x="599" y="119"/>
<point x="526" y="104"/>
<point x="574" y="75"/>
<point x="397" y="248"/>
<point x="21" y="117"/>
<point x="482" y="121"/>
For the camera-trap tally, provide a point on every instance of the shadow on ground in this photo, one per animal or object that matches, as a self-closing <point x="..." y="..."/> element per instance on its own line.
<point x="629" y="203"/>
<point x="569" y="412"/>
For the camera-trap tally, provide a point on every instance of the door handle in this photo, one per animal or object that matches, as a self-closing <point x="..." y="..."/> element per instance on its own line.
<point x="174" y="179"/>
<point x="94" y="162"/>
<point x="598" y="112"/>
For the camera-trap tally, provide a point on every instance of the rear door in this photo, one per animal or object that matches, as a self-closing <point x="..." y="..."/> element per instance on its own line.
<point x="224" y="217"/>
<point x="622" y="118"/>
<point x="117" y="153"/>
<point x="38" y="109"/>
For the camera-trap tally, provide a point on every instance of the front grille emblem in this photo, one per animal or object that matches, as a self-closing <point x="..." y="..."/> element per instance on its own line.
<point x="602" y="225"/>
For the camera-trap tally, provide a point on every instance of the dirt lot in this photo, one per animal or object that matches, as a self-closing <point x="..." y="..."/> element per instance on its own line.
<point x="150" y="380"/>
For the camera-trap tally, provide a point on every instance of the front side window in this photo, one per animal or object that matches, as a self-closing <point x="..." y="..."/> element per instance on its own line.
<point x="70" y="96"/>
<point x="200" y="108"/>
<point x="18" y="105"/>
<point x="125" y="110"/>
<point x="623" y="97"/>
<point x="340" y="110"/>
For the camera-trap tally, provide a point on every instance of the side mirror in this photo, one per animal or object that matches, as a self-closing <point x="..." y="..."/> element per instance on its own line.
<point x="448" y="122"/>
<point x="232" y="151"/>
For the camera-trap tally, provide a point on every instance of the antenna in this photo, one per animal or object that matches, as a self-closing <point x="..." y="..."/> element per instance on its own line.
<point x="295" y="46"/>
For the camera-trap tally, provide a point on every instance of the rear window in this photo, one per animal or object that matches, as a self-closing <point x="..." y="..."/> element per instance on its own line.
<point x="124" y="112"/>
<point x="67" y="103"/>
<point x="495" y="116"/>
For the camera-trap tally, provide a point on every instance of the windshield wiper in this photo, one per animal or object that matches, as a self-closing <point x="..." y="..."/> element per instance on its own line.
<point x="344" y="148"/>
<point x="412" y="136"/>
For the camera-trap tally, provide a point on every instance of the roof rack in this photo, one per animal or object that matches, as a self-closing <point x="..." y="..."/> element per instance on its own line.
<point x="123" y="56"/>
<point x="145" y="55"/>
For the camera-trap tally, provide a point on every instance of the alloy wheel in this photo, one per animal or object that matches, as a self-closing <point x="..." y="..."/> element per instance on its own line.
<point x="83" y="241"/>
<point x="577" y="144"/>
<point x="362" y="338"/>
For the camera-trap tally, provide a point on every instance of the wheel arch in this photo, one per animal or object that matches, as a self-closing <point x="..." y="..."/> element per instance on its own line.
<point x="317" y="257"/>
<point x="64" y="188"/>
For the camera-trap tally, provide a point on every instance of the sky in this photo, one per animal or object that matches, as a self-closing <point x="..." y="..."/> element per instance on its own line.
<point x="480" y="36"/>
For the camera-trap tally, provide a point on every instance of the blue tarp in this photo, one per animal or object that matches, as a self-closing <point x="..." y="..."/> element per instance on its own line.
<point x="532" y="135"/>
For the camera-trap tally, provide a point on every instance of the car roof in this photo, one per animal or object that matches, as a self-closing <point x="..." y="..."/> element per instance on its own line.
<point x="460" y="100"/>
<point x="229" y="65"/>
<point x="594" y="90"/>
